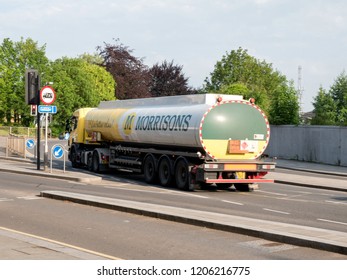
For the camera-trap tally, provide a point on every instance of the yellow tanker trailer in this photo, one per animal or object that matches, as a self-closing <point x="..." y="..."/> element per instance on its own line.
<point x="178" y="140"/>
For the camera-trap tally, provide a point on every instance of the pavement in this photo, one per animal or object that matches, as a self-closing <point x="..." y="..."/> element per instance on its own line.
<point x="13" y="243"/>
<point x="283" y="177"/>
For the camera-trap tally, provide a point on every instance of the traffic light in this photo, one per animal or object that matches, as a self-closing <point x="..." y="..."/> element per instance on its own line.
<point x="31" y="86"/>
<point x="33" y="110"/>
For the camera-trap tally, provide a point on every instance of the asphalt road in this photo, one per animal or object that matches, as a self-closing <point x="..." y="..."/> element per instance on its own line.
<point x="275" y="202"/>
<point x="136" y="237"/>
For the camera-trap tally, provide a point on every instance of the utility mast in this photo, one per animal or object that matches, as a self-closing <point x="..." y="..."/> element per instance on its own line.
<point x="300" y="90"/>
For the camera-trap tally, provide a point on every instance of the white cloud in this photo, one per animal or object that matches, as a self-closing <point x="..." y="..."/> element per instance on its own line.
<point x="262" y="2"/>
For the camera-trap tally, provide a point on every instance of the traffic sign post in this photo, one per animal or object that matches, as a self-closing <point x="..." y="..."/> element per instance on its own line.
<point x="58" y="152"/>
<point x="47" y="96"/>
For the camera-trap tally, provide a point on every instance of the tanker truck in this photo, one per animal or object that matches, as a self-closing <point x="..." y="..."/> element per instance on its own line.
<point x="183" y="141"/>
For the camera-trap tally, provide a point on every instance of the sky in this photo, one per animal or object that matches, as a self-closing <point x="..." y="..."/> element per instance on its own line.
<point x="196" y="34"/>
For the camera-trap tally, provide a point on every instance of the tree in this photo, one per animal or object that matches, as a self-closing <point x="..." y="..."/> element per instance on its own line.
<point x="338" y="92"/>
<point x="102" y="84"/>
<point x="284" y="106"/>
<point x="167" y="79"/>
<point x="78" y="84"/>
<point x="129" y="72"/>
<point x="238" y="71"/>
<point x="15" y="57"/>
<point x="324" y="109"/>
<point x="235" y="89"/>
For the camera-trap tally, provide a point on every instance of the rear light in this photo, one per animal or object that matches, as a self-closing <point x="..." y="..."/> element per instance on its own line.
<point x="268" y="166"/>
<point x="211" y="166"/>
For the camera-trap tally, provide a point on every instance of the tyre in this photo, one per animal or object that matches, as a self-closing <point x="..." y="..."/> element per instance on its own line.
<point x="165" y="171"/>
<point x="149" y="169"/>
<point x="182" y="176"/>
<point x="224" y="186"/>
<point x="90" y="162"/>
<point x="95" y="162"/>
<point x="73" y="158"/>
<point x="242" y="187"/>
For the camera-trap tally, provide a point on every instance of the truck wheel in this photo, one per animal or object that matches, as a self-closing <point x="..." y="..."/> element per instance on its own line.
<point x="73" y="156"/>
<point x="95" y="162"/>
<point x="90" y="162"/>
<point x="149" y="169"/>
<point x="223" y="186"/>
<point x="242" y="187"/>
<point x="165" y="171"/>
<point x="182" y="175"/>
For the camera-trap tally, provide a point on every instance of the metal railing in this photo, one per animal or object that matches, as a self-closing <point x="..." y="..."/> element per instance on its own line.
<point x="18" y="131"/>
<point x="16" y="146"/>
<point x="13" y="140"/>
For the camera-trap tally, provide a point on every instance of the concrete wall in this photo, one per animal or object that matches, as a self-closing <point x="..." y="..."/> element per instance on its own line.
<point x="323" y="144"/>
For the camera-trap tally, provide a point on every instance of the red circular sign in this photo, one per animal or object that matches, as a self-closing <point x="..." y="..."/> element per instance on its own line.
<point x="47" y="95"/>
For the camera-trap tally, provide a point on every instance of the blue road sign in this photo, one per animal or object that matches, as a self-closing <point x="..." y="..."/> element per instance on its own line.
<point x="30" y="143"/>
<point x="58" y="151"/>
<point x="51" y="109"/>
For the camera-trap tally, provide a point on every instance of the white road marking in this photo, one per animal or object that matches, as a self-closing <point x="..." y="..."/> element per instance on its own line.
<point x="233" y="202"/>
<point x="305" y="192"/>
<point x="323" y="194"/>
<point x="276" y="211"/>
<point x="124" y="184"/>
<point x="333" y="222"/>
<point x="193" y="195"/>
<point x="3" y="199"/>
<point x="17" y="234"/>
<point x="279" y="194"/>
<point x="336" y="202"/>
<point x="282" y="197"/>
<point x="30" y="197"/>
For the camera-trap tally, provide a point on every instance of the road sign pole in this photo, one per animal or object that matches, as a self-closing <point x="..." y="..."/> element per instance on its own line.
<point x="38" y="123"/>
<point x="47" y="96"/>
<point x="51" y="163"/>
<point x="45" y="156"/>
<point x="25" y="150"/>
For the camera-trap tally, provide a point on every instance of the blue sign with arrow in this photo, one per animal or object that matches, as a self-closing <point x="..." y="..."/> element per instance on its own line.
<point x="30" y="143"/>
<point x="58" y="151"/>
